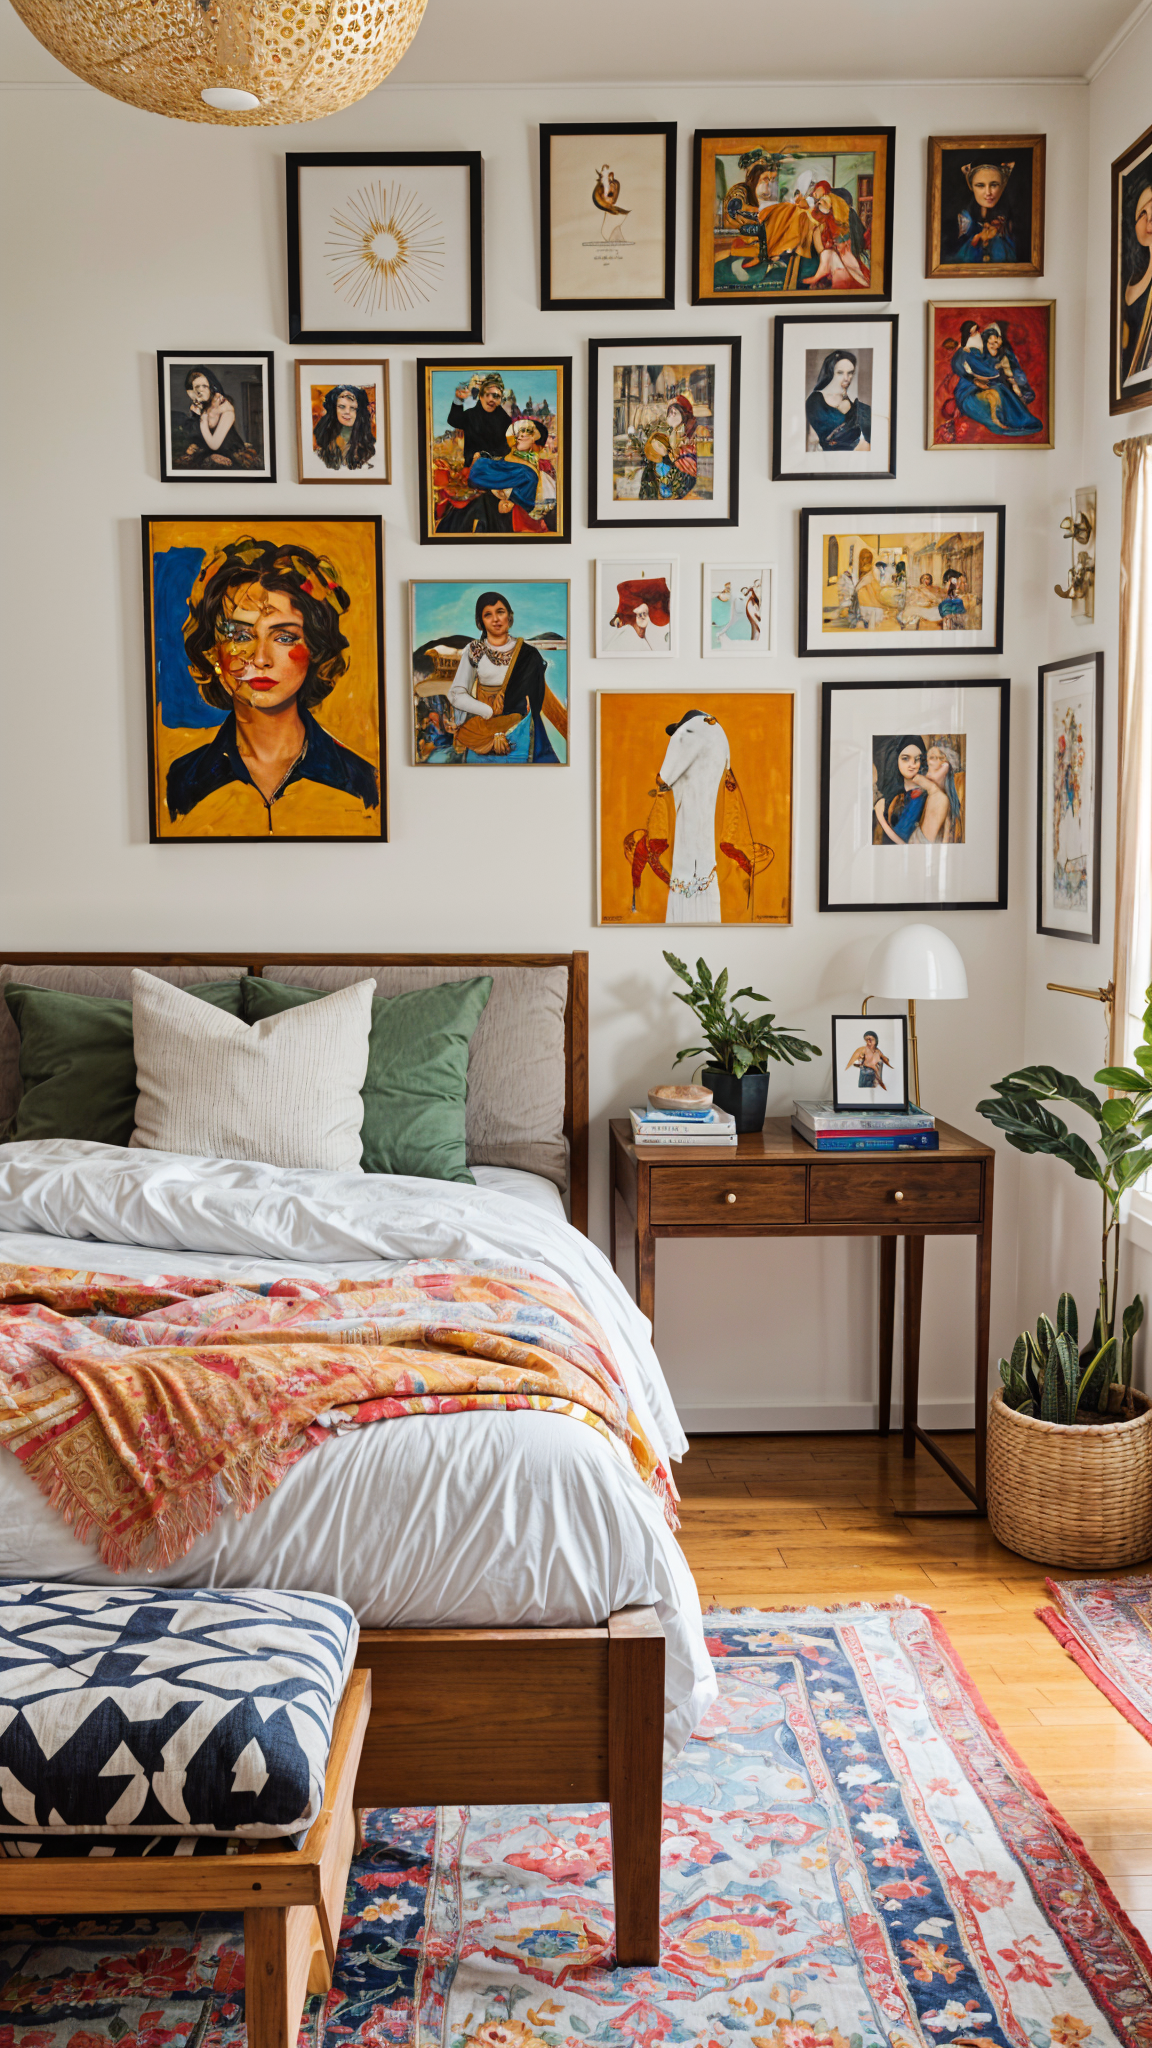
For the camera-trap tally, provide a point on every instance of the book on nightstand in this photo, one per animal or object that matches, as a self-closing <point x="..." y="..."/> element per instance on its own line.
<point x="824" y="1117"/>
<point x="650" y="1127"/>
<point x="853" y="1140"/>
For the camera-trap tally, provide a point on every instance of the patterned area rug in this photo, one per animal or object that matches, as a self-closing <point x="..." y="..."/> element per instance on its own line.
<point x="1106" y="1625"/>
<point x="852" y="1856"/>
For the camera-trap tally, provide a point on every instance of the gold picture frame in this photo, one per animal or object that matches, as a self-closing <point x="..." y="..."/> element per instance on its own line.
<point x="779" y="217"/>
<point x="993" y="243"/>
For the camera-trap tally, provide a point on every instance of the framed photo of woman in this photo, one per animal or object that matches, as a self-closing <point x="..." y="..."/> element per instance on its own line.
<point x="781" y="216"/>
<point x="991" y="373"/>
<point x="1130" y="374"/>
<point x="914" y="796"/>
<point x="869" y="1065"/>
<point x="217" y="417"/>
<point x="663" y="432"/>
<point x="495" y="443"/>
<point x="385" y="245"/>
<point x="607" y="215"/>
<point x="985" y="207"/>
<point x="1069" y="745"/>
<point x="343" y="423"/>
<point x="834" y="397"/>
<point x="902" y="580"/>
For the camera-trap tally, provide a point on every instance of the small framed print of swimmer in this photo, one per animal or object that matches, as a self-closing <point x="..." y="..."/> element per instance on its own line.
<point x="870" y="1064"/>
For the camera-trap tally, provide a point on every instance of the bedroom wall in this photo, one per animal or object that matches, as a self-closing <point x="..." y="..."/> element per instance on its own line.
<point x="126" y="233"/>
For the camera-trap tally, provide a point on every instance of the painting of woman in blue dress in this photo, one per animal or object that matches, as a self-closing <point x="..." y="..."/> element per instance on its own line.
<point x="991" y="387"/>
<point x="838" y="419"/>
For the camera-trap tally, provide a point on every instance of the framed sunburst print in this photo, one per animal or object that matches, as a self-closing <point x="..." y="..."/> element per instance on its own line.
<point x="385" y="245"/>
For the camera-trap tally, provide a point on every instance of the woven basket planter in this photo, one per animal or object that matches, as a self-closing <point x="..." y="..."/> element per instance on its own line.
<point x="1077" y="1495"/>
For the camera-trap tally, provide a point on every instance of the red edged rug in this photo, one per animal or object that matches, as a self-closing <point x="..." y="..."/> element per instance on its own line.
<point x="1106" y="1625"/>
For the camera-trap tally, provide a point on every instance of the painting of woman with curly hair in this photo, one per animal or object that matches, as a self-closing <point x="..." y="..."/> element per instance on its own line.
<point x="265" y="679"/>
<point x="342" y="423"/>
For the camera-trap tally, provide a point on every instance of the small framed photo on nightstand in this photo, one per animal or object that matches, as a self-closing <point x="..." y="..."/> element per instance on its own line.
<point x="870" y="1064"/>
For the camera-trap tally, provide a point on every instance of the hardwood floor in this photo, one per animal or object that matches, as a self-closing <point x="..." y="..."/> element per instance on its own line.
<point x="779" y="1521"/>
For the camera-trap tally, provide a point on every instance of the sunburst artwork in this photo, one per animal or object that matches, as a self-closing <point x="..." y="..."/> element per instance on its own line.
<point x="385" y="250"/>
<point x="386" y="246"/>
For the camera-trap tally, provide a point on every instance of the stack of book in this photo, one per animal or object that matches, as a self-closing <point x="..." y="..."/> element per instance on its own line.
<point x="865" y="1130"/>
<point x="709" y="1126"/>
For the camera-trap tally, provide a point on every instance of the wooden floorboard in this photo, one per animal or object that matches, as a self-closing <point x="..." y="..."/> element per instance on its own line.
<point x="786" y="1521"/>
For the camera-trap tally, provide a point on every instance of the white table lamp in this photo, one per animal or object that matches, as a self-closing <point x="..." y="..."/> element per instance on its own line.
<point x="916" y="964"/>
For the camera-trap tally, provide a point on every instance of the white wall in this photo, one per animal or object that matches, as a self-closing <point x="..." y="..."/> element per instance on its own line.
<point x="127" y="233"/>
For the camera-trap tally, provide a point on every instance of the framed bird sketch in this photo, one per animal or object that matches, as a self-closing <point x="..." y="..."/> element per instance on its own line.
<point x="663" y="432"/>
<point x="490" y="674"/>
<point x="217" y="417"/>
<point x="607" y="215"/>
<point x="881" y="580"/>
<point x="834" y="397"/>
<point x="985" y="207"/>
<point x="1069" y="745"/>
<point x="385" y="245"/>
<point x="495" y="449"/>
<point x="343" y="423"/>
<point x="778" y="217"/>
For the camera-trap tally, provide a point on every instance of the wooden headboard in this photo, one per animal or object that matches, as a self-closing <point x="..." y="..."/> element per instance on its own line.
<point x="575" y="1014"/>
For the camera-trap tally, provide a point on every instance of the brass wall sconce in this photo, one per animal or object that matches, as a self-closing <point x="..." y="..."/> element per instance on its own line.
<point x="1080" y="529"/>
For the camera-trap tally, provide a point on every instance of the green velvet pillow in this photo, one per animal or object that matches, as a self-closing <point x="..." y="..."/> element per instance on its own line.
<point x="417" y="1079"/>
<point x="77" y="1061"/>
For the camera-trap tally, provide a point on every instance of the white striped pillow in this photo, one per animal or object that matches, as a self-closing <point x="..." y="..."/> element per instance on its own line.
<point x="285" y="1091"/>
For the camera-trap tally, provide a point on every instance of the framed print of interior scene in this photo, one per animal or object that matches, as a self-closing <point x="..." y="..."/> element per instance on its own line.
<point x="663" y="432"/>
<point x="264" y="654"/>
<point x="991" y="373"/>
<point x="343" y="426"/>
<point x="1069" y="745"/>
<point x="869" y="1064"/>
<point x="914" y="796"/>
<point x="1130" y="377"/>
<point x="385" y="245"/>
<point x="489" y="674"/>
<point x="782" y="216"/>
<point x="872" y="579"/>
<point x="985" y="206"/>
<point x="737" y="614"/>
<point x="695" y="806"/>
<point x="495" y="441"/>
<point x="217" y="416"/>
<point x="636" y="608"/>
<point x="607" y="215"/>
<point x="834" y="397"/>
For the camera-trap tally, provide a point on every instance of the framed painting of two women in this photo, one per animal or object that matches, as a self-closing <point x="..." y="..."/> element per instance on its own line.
<point x="789" y="216"/>
<point x="1130" y="369"/>
<point x="985" y="206"/>
<point x="834" y="397"/>
<point x="991" y="373"/>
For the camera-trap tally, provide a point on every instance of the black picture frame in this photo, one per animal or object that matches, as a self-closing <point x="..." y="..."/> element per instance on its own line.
<point x="1047" y="670"/>
<point x="233" y="471"/>
<point x="664" y="348"/>
<point x="387" y="159"/>
<point x="464" y="368"/>
<point x="936" y="905"/>
<point x="859" y="1026"/>
<point x="741" y="139"/>
<point x="863" y="519"/>
<point x="848" y="321"/>
<point x="549" y="302"/>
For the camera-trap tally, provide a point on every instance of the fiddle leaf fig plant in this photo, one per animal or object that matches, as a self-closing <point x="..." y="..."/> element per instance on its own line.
<point x="733" y="1041"/>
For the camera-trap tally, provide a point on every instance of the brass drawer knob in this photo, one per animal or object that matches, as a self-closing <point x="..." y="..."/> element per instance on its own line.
<point x="899" y="1195"/>
<point x="729" y="1198"/>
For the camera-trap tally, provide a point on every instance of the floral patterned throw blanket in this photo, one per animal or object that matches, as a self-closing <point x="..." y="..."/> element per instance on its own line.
<point x="136" y="1406"/>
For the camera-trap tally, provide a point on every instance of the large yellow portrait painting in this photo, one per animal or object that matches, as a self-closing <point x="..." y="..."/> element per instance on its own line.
<point x="265" y="659"/>
<point x="695" y="804"/>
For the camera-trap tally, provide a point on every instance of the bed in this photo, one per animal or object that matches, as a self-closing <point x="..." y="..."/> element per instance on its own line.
<point x="530" y="1623"/>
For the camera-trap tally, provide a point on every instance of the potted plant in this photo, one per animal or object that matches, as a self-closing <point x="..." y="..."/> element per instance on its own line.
<point x="740" y="1047"/>
<point x="1069" y="1438"/>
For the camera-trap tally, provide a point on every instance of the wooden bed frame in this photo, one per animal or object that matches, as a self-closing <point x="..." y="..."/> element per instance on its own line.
<point x="514" y="1716"/>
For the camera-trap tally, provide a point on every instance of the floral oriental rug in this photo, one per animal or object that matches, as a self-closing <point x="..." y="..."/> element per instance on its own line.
<point x="852" y="1856"/>
<point x="1106" y="1625"/>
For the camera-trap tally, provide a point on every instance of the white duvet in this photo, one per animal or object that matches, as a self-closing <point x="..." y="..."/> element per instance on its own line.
<point x="480" y="1520"/>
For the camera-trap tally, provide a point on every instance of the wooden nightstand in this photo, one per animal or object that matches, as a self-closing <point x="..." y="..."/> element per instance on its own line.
<point x="774" y="1185"/>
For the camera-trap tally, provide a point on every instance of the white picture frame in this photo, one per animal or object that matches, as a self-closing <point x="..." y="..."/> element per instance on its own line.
<point x="637" y="608"/>
<point x="358" y="449"/>
<point x="737" y="604"/>
<point x="664" y="432"/>
<point x="901" y="580"/>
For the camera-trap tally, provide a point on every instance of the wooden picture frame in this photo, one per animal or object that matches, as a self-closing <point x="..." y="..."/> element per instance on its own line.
<point x="357" y="464"/>
<point x="1067" y="846"/>
<point x="803" y="346"/>
<point x="979" y="253"/>
<point x="642" y="448"/>
<point x="456" y="510"/>
<point x="385" y="245"/>
<point x="780" y="259"/>
<point x="532" y="617"/>
<point x="577" y="212"/>
<point x="197" y="447"/>
<point x="1012" y="341"/>
<point x="901" y="580"/>
<point x="849" y="1101"/>
<point x="1130" y="319"/>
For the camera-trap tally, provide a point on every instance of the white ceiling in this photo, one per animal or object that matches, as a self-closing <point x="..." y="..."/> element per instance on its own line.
<point x="619" y="42"/>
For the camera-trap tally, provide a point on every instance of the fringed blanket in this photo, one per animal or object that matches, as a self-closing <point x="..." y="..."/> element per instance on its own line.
<point x="136" y="1406"/>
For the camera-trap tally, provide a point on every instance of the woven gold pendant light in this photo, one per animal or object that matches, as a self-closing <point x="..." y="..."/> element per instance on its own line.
<point x="247" y="63"/>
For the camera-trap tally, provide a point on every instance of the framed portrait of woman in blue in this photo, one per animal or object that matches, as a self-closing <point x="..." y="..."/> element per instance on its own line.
<point x="495" y="449"/>
<point x="264" y="656"/>
<point x="834" y="397"/>
<point x="991" y="373"/>
<point x="985" y="207"/>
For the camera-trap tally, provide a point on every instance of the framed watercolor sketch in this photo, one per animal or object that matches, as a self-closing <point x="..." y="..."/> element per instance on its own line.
<point x="607" y="215"/>
<point x="264" y="654"/>
<point x="870" y="1065"/>
<point x="985" y="207"/>
<point x="779" y="216"/>
<point x="664" y="432"/>
<point x="904" y="579"/>
<point x="217" y="416"/>
<point x="495" y="444"/>
<point x="695" y="806"/>
<point x="914" y="796"/>
<point x="386" y="245"/>
<point x="636" y="608"/>
<point x="834" y="397"/>
<point x="1130" y="353"/>
<point x="737" y="612"/>
<point x="343" y="423"/>
<point x="991" y="373"/>
<point x="489" y="674"/>
<point x="1069" y="746"/>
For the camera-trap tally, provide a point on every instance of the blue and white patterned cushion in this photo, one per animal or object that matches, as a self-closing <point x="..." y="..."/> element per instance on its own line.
<point x="148" y="1710"/>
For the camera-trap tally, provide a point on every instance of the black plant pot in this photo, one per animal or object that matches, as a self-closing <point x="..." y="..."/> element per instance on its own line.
<point x="745" y="1099"/>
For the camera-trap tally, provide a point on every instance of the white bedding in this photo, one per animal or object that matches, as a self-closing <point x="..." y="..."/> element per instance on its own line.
<point x="462" y="1520"/>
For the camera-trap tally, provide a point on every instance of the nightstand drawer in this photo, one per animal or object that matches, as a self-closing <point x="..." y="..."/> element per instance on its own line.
<point x="704" y="1194"/>
<point x="896" y="1190"/>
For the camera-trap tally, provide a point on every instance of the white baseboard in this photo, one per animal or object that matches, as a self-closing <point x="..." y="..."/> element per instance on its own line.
<point x="860" y="1415"/>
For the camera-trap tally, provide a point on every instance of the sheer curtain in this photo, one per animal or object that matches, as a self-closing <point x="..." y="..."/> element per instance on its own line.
<point x="1132" y="956"/>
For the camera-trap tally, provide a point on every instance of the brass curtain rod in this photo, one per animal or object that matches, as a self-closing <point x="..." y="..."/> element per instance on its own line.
<point x="1118" y="447"/>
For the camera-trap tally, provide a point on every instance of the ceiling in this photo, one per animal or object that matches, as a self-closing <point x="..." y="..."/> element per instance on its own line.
<point x="625" y="42"/>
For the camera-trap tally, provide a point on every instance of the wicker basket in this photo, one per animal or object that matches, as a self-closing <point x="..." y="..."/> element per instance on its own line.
<point x="1078" y="1494"/>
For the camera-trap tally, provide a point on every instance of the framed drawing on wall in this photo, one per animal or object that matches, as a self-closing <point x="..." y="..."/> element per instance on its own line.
<point x="834" y="397"/>
<point x="737" y="614"/>
<point x="907" y="579"/>
<point x="489" y="674"/>
<point x="495" y="449"/>
<point x="607" y="215"/>
<point x="664" y="432"/>
<point x="217" y="416"/>
<point x="1068" y="749"/>
<point x="695" y="806"/>
<point x="1130" y="373"/>
<point x="343" y="423"/>
<point x="637" y="602"/>
<point x="985" y="207"/>
<point x="914" y="796"/>
<point x="264" y="656"/>
<point x="385" y="245"/>
<point x="991" y="373"/>
<point x="779" y="216"/>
